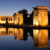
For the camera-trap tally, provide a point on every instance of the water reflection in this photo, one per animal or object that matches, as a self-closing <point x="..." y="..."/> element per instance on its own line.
<point x="19" y="34"/>
<point x="40" y="37"/>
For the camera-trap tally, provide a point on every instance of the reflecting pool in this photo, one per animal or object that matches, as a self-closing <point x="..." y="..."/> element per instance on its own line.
<point x="24" y="38"/>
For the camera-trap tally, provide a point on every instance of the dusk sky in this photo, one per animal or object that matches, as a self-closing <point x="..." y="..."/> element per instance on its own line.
<point x="8" y="7"/>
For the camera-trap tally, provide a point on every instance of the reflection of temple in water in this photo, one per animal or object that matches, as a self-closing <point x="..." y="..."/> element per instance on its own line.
<point x="41" y="38"/>
<point x="18" y="33"/>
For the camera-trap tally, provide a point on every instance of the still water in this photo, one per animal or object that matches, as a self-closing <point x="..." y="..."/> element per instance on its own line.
<point x="23" y="38"/>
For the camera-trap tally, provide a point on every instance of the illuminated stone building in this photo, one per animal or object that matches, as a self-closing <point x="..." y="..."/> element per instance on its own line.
<point x="6" y="20"/>
<point x="40" y="17"/>
<point x="15" y="19"/>
<point x="18" y="18"/>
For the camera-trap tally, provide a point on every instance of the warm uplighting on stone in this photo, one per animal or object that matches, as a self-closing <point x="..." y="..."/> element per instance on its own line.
<point x="35" y="21"/>
<point x="18" y="18"/>
<point x="40" y="16"/>
<point x="20" y="22"/>
<point x="11" y="20"/>
<point x="2" y="20"/>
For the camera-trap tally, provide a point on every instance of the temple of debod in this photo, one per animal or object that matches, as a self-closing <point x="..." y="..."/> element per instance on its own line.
<point x="40" y="13"/>
<point x="40" y="18"/>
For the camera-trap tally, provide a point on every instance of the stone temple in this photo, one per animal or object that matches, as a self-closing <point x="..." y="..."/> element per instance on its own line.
<point x="40" y="17"/>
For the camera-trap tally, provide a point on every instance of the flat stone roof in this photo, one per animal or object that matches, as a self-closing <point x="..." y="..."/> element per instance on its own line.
<point x="7" y="16"/>
<point x="42" y="7"/>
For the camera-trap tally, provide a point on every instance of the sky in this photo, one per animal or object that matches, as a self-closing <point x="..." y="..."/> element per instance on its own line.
<point x="9" y="7"/>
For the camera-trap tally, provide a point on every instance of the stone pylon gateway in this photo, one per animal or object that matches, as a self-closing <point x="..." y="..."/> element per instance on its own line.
<point x="40" y="16"/>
